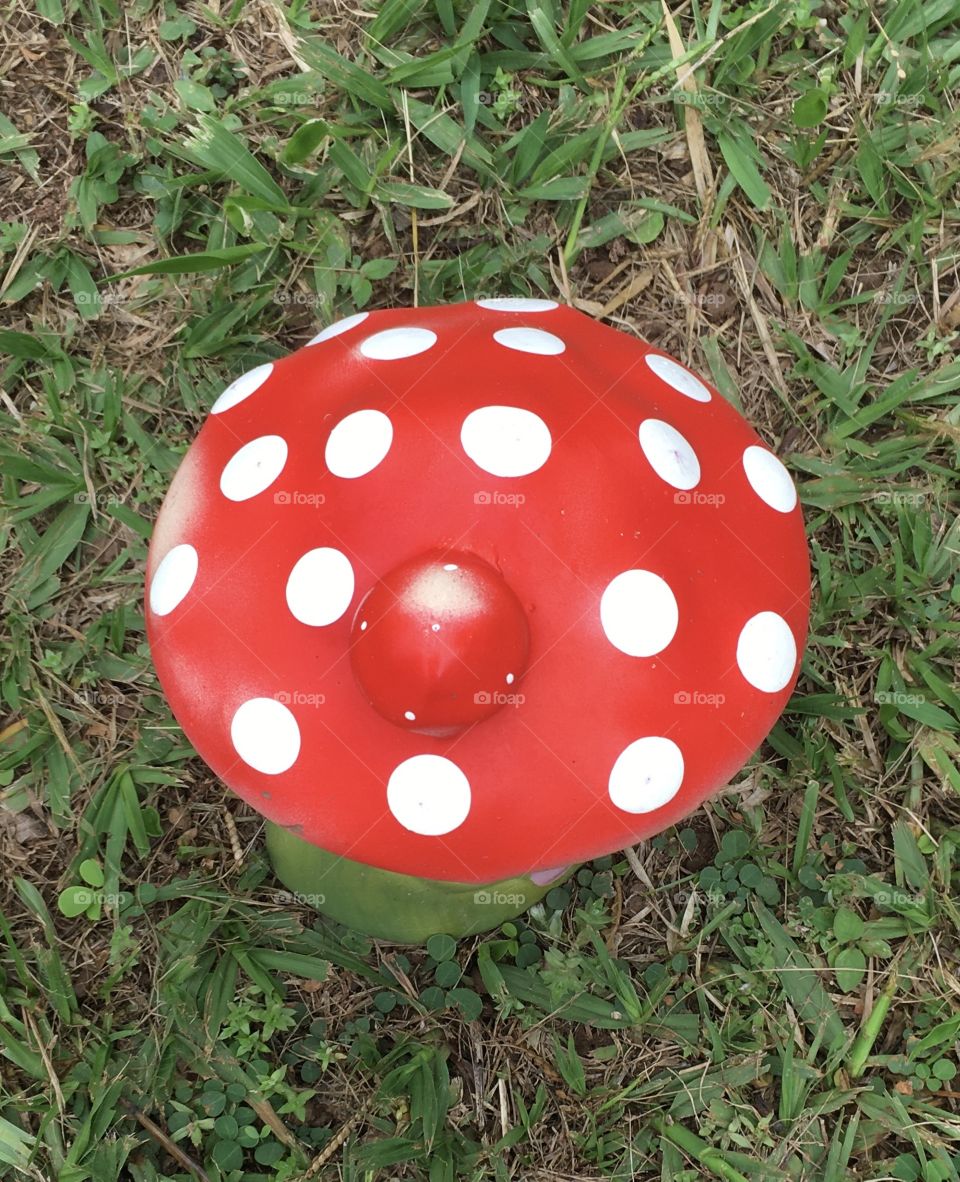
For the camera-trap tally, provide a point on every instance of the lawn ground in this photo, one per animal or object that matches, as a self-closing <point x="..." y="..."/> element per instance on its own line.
<point x="766" y="191"/>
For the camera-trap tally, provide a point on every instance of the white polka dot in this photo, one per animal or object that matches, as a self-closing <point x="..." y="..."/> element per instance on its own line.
<point x="320" y="587"/>
<point x="638" y="612"/>
<point x="358" y="443"/>
<point x="767" y="652"/>
<point x="530" y="340"/>
<point x="253" y="468"/>
<point x="172" y="579"/>
<point x="506" y="440"/>
<point x="509" y="679"/>
<point x="242" y="388"/>
<point x="450" y="566"/>
<point x="769" y="479"/>
<point x="678" y="376"/>
<point x="265" y="735"/>
<point x="513" y="304"/>
<point x="394" y="343"/>
<point x="409" y="716"/>
<point x="647" y="775"/>
<point x="334" y="330"/>
<point x="429" y="794"/>
<point x="670" y="456"/>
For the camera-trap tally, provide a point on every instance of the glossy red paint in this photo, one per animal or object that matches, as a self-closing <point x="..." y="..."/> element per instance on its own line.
<point x="440" y="643"/>
<point x="652" y="545"/>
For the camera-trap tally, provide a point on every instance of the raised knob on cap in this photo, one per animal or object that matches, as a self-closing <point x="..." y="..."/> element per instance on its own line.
<point x="440" y="642"/>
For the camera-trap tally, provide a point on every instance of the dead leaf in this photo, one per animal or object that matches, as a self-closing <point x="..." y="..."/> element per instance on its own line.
<point x="950" y="313"/>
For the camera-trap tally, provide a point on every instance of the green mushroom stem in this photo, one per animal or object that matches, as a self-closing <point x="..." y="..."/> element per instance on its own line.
<point x="396" y="907"/>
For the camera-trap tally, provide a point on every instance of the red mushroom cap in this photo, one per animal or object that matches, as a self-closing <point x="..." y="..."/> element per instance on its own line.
<point x="568" y="557"/>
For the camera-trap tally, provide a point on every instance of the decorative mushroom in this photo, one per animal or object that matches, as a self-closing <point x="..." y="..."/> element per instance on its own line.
<point x="460" y="597"/>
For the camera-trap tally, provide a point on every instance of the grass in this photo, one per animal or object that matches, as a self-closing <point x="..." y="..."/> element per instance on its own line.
<point x="766" y="191"/>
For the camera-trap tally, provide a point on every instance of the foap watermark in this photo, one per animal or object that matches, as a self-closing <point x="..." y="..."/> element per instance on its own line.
<point x="499" y="898"/>
<point x="82" y="897"/>
<point x="508" y="99"/>
<point x="714" y="500"/>
<point x="886" y="98"/>
<point x="299" y="698"/>
<point x="495" y="497"/>
<point x="294" y="496"/>
<point x="898" y="698"/>
<point x="708" y="898"/>
<point x="897" y="898"/>
<point x="292" y="98"/>
<point x="885" y="496"/>
<point x="105" y="299"/>
<point x="497" y="698"/>
<point x="697" y="98"/>
<point x="286" y="898"/>
<point x="900" y="299"/>
<point x="89" y="695"/>
<point x="700" y="299"/>
<point x="97" y="498"/>
<point x="305" y="299"/>
<point x="698" y="698"/>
